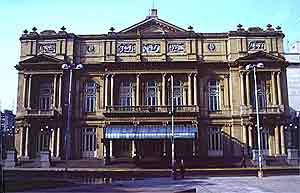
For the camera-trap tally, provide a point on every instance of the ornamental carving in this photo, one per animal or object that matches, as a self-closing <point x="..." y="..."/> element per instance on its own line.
<point x="176" y="47"/>
<point x="126" y="48"/>
<point x="151" y="48"/>
<point x="256" y="45"/>
<point x="91" y="49"/>
<point x="47" y="48"/>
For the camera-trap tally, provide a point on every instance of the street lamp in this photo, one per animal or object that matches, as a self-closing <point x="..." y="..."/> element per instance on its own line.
<point x="172" y="127"/>
<point x="254" y="67"/>
<point x="67" y="137"/>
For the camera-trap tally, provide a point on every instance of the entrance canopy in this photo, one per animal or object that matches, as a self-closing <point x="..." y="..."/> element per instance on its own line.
<point x="150" y="132"/>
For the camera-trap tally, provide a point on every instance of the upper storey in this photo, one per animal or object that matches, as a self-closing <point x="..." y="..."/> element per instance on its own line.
<point x="152" y="40"/>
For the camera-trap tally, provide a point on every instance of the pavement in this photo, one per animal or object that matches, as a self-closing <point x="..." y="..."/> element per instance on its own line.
<point x="200" y="184"/>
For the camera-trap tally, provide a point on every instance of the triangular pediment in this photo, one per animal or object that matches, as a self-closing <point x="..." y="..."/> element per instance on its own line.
<point x="153" y="25"/>
<point x="42" y="58"/>
<point x="260" y="56"/>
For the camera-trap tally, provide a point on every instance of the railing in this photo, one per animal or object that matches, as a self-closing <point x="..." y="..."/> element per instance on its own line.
<point x="263" y="110"/>
<point x="39" y="112"/>
<point x="149" y="109"/>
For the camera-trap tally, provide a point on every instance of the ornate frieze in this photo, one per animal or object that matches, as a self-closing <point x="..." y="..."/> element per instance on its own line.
<point x="151" y="48"/>
<point x="126" y="48"/>
<point x="256" y="45"/>
<point x="47" y="48"/>
<point x="178" y="47"/>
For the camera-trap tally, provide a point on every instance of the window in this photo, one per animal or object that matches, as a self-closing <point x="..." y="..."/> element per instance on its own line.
<point x="215" y="141"/>
<point x="178" y="93"/>
<point x="262" y="94"/>
<point x="90" y="96"/>
<point x="45" y="95"/>
<point x="213" y="95"/>
<point x="151" y="93"/>
<point x="126" y="93"/>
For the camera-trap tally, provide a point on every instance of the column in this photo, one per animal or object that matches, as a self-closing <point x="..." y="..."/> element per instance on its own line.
<point x="163" y="93"/>
<point x="106" y="91"/>
<point x="190" y="89"/>
<point x="112" y="90"/>
<point x="277" y="143"/>
<point x="158" y="96"/>
<point x="54" y="91"/>
<point x="184" y="96"/>
<point x="29" y="92"/>
<point x="24" y="90"/>
<point x="274" y="99"/>
<point x="133" y="96"/>
<point x="242" y="89"/>
<point x="27" y="141"/>
<point x="195" y="90"/>
<point x="194" y="147"/>
<point x="226" y="96"/>
<point x="164" y="147"/>
<point x="133" y="150"/>
<point x="279" y="88"/>
<point x="138" y="90"/>
<point x="282" y="137"/>
<point x="250" y="137"/>
<point x="57" y="142"/>
<point x="244" y="127"/>
<point x="248" y="89"/>
<point x="110" y="148"/>
<point x="59" y="91"/>
<point x="21" y="141"/>
<point x="270" y="142"/>
<point x="52" y="142"/>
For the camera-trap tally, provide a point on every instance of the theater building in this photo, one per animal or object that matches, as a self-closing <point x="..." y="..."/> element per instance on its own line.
<point x="121" y="99"/>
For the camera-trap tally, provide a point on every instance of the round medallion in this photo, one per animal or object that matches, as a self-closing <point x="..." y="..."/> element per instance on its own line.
<point x="211" y="47"/>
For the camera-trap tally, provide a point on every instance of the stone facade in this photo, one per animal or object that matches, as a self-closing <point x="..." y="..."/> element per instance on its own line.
<point x="125" y="83"/>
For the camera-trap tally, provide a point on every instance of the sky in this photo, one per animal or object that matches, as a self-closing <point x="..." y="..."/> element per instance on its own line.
<point x="97" y="16"/>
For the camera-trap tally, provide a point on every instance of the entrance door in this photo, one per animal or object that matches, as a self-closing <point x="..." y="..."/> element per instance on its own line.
<point x="88" y="143"/>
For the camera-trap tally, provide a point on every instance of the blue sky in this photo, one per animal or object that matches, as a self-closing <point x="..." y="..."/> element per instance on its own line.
<point x="97" y="16"/>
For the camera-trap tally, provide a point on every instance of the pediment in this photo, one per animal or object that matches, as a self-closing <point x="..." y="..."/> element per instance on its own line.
<point x="260" y="56"/>
<point x="153" y="25"/>
<point x="42" y="58"/>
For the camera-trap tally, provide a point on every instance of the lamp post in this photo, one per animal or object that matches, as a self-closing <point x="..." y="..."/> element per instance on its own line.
<point x="172" y="128"/>
<point x="254" y="67"/>
<point x="67" y="137"/>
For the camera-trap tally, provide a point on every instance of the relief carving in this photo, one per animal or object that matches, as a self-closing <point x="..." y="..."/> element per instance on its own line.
<point x="256" y="45"/>
<point x="126" y="48"/>
<point x="47" y="48"/>
<point x="151" y="48"/>
<point x="90" y="48"/>
<point x="176" y="47"/>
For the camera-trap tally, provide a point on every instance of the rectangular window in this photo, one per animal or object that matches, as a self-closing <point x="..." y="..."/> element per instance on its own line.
<point x="151" y="93"/>
<point x="213" y="95"/>
<point x="178" y="93"/>
<point x="45" y="94"/>
<point x="215" y="141"/>
<point x="90" y="96"/>
<point x="126" y="90"/>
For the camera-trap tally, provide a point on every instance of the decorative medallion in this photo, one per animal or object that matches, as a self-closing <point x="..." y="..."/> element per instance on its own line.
<point x="151" y="48"/>
<point x="211" y="47"/>
<point x="91" y="48"/>
<point x="256" y="45"/>
<point x="47" y="48"/>
<point x="126" y="48"/>
<point x="176" y="47"/>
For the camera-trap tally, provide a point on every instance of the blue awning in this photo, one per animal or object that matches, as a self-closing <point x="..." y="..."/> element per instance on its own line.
<point x="150" y="132"/>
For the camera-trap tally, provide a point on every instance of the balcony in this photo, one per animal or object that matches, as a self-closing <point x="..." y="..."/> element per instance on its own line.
<point x="39" y="113"/>
<point x="149" y="109"/>
<point x="269" y="110"/>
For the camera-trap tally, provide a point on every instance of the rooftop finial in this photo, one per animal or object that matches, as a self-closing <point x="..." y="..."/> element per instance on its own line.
<point x="152" y="11"/>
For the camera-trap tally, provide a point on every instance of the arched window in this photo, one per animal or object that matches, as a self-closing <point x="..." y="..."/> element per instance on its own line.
<point x="125" y="93"/>
<point x="90" y="89"/>
<point x="213" y="95"/>
<point x="151" y="93"/>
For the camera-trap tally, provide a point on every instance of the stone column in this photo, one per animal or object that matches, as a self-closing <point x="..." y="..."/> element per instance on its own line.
<point x="29" y="92"/>
<point x="26" y="141"/>
<point x="190" y="89"/>
<point x="282" y="137"/>
<point x="164" y="147"/>
<point x="226" y="96"/>
<point x="274" y="98"/>
<point x="194" y="147"/>
<point x="244" y="127"/>
<point x="110" y="148"/>
<point x="112" y="90"/>
<point x="248" y="89"/>
<point x="277" y="143"/>
<point x="106" y="91"/>
<point x="52" y="142"/>
<point x="242" y="89"/>
<point x="59" y="91"/>
<point x="195" y="90"/>
<point x="24" y="90"/>
<point x="158" y="95"/>
<point x="21" y="141"/>
<point x="54" y="91"/>
<point x="184" y="96"/>
<point x="163" y="92"/>
<point x="250" y="136"/>
<point x="279" y="88"/>
<point x="138" y="90"/>
<point x="58" y="142"/>
<point x="133" y="150"/>
<point x="270" y="142"/>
